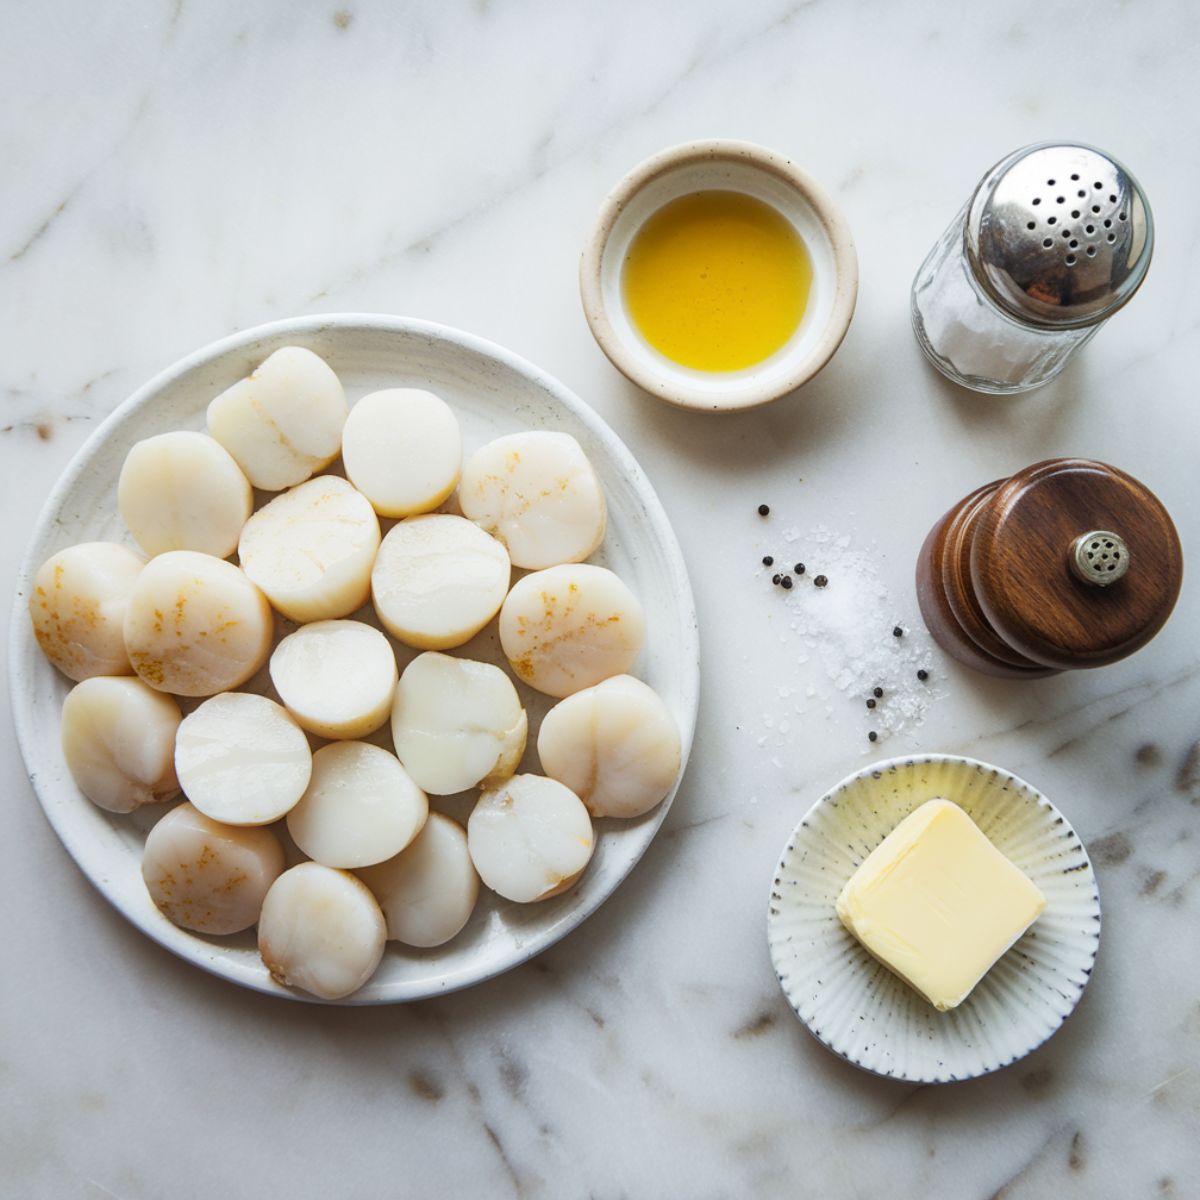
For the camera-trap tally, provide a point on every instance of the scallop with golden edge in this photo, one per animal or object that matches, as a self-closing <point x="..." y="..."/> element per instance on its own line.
<point x="196" y="625"/>
<point x="206" y="876"/>
<point x="570" y="627"/>
<point x="77" y="605"/>
<point x="538" y="493"/>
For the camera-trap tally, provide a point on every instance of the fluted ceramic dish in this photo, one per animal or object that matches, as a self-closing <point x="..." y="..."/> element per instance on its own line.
<point x="854" y="1004"/>
<point x="492" y="392"/>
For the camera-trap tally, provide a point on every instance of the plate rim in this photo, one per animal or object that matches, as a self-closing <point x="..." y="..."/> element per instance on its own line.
<point x="201" y="952"/>
<point x="870" y="770"/>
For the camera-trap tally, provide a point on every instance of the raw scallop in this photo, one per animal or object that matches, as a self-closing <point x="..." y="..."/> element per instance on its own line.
<point x="530" y="838"/>
<point x="118" y="737"/>
<point x="360" y="808"/>
<point x="195" y="625"/>
<point x="570" y="627"/>
<point x="242" y="759"/>
<point x="321" y="930"/>
<point x="457" y="723"/>
<point x="77" y="604"/>
<point x="615" y="745"/>
<point x="428" y="891"/>
<point x="283" y="422"/>
<point x="209" y="877"/>
<point x="183" y="491"/>
<point x="311" y="549"/>
<point x="337" y="678"/>
<point x="538" y="493"/>
<point x="438" y="580"/>
<point x="403" y="450"/>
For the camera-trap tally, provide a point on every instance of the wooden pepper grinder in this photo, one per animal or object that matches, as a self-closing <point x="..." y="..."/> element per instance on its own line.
<point x="1068" y="563"/>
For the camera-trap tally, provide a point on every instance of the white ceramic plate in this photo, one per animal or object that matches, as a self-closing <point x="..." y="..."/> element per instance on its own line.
<point x="854" y="1004"/>
<point x="492" y="392"/>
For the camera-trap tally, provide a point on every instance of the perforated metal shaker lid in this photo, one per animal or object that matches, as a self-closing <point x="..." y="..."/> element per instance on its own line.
<point x="1059" y="235"/>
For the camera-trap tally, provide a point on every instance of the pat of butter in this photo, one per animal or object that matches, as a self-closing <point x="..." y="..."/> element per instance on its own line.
<point x="938" y="904"/>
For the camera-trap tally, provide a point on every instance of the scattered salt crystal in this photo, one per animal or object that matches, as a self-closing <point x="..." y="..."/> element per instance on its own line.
<point x="849" y="625"/>
<point x="846" y="628"/>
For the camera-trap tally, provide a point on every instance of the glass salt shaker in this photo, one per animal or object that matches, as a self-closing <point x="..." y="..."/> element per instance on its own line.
<point x="1055" y="239"/>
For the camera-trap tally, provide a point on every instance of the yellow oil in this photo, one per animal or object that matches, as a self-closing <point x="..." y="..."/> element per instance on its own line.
<point x="717" y="281"/>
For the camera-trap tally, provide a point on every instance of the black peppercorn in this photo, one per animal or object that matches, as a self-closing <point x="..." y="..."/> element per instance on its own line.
<point x="767" y="560"/>
<point x="775" y="579"/>
<point x="786" y="581"/>
<point x="870" y="703"/>
<point x="922" y="674"/>
<point x="820" y="581"/>
<point x="872" y="736"/>
<point x="799" y="568"/>
<point x="877" y="693"/>
<point x="763" y="509"/>
<point x="897" y="631"/>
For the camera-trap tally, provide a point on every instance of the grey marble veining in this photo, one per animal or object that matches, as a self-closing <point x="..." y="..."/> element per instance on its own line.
<point x="179" y="171"/>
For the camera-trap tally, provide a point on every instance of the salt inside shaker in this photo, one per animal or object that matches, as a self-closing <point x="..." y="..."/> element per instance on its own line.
<point x="1055" y="239"/>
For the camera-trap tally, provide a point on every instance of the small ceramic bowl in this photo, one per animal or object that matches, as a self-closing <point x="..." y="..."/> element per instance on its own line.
<point x="720" y="166"/>
<point x="853" y="1003"/>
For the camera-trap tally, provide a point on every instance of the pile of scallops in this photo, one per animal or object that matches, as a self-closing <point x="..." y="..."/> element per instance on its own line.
<point x="181" y="623"/>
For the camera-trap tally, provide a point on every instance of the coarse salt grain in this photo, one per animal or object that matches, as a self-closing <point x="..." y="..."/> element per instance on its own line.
<point x="848" y="628"/>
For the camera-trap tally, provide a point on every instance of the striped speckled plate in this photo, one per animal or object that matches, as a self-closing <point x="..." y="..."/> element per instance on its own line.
<point x="854" y="1004"/>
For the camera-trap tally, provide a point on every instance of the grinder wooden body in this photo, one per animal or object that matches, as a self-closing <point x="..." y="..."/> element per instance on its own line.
<point x="1069" y="563"/>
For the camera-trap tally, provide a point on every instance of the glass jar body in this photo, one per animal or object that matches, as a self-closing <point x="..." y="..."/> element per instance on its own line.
<point x="972" y="341"/>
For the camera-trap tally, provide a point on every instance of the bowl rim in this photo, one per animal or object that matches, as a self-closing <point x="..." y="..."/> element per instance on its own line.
<point x="771" y="162"/>
<point x="875" y="770"/>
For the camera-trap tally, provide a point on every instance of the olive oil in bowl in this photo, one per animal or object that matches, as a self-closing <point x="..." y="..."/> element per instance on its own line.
<point x="717" y="280"/>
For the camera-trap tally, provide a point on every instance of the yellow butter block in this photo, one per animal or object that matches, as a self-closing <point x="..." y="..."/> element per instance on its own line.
<point x="938" y="904"/>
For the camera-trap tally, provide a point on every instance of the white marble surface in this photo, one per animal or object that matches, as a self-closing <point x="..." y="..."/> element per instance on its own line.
<point x="177" y="172"/>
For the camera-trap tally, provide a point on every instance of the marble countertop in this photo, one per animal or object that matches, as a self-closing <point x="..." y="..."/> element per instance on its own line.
<point x="180" y="171"/>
